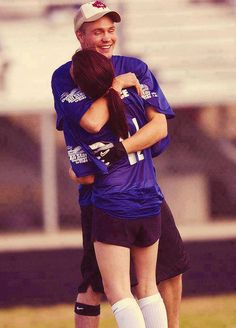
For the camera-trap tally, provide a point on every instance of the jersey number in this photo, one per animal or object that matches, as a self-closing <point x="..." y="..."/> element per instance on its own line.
<point x="135" y="157"/>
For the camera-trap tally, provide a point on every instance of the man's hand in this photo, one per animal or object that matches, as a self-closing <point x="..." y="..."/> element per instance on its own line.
<point x="108" y="152"/>
<point x="126" y="80"/>
<point x="89" y="179"/>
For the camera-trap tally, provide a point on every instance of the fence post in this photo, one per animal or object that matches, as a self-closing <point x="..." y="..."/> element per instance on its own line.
<point x="49" y="173"/>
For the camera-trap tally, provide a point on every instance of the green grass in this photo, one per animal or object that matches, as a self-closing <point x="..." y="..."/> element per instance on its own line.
<point x="201" y="312"/>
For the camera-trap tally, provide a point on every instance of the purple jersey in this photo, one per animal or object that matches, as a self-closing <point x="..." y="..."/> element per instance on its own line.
<point x="130" y="189"/>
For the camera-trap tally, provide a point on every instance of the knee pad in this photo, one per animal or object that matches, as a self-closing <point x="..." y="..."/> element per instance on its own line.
<point x="87" y="310"/>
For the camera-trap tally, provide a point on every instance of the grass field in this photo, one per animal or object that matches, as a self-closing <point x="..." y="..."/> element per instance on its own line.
<point x="201" y="312"/>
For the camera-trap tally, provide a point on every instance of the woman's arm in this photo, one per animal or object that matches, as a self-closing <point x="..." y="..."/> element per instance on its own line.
<point x="97" y="115"/>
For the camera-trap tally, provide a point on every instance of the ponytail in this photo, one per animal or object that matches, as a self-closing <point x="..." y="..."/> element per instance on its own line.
<point x="117" y="118"/>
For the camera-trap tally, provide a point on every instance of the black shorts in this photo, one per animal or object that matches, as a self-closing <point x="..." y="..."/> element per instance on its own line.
<point x="141" y="232"/>
<point x="172" y="257"/>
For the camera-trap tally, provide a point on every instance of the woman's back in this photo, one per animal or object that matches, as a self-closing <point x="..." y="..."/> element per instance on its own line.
<point x="129" y="190"/>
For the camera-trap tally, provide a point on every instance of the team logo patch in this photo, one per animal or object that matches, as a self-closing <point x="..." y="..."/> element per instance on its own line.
<point x="99" y="4"/>
<point x="147" y="94"/>
<point x="74" y="95"/>
<point x="77" y="155"/>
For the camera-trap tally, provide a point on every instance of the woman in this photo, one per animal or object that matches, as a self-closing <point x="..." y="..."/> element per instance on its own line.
<point x="126" y="201"/>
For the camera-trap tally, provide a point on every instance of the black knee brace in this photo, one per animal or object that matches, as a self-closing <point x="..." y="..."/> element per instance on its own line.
<point x="88" y="310"/>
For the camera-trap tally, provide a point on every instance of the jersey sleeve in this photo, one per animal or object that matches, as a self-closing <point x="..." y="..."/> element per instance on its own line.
<point x="82" y="159"/>
<point x="69" y="102"/>
<point x="80" y="162"/>
<point x="152" y="93"/>
<point x="153" y="96"/>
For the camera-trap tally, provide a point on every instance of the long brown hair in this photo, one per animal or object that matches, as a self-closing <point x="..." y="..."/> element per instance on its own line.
<point x="93" y="73"/>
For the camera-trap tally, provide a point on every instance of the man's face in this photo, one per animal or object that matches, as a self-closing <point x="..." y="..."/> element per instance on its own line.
<point x="99" y="35"/>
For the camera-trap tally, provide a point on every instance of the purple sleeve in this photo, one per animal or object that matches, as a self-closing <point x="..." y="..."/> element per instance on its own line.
<point x="153" y="95"/>
<point x="69" y="103"/>
<point x="82" y="160"/>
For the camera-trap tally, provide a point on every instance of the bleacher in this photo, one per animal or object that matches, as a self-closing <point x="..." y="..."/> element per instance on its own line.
<point x="190" y="46"/>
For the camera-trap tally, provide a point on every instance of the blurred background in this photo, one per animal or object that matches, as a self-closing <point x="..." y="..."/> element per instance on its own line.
<point x="190" y="45"/>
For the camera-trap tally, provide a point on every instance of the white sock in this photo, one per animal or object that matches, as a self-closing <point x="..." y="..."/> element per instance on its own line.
<point x="128" y="314"/>
<point x="154" y="311"/>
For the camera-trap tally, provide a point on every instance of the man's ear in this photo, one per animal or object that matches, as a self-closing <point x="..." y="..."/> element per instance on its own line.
<point x="80" y="36"/>
<point x="72" y="71"/>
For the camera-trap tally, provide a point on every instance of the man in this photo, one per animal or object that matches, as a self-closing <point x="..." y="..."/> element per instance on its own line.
<point x="94" y="27"/>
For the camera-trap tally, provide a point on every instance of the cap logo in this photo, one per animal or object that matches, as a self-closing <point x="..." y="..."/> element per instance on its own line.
<point x="99" y="4"/>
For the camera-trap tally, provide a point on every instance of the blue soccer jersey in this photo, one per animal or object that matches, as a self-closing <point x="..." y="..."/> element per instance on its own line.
<point x="130" y="190"/>
<point x="136" y="194"/>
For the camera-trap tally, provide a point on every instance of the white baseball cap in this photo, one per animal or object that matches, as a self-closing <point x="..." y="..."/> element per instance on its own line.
<point x="91" y="11"/>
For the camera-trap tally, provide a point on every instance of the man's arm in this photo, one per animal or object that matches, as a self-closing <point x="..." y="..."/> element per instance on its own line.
<point x="97" y="115"/>
<point x="149" y="134"/>
<point x="89" y="179"/>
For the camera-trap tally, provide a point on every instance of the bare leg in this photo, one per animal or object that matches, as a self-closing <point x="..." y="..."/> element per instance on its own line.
<point x="150" y="301"/>
<point x="171" y="292"/>
<point x="114" y="264"/>
<point x="90" y="298"/>
<point x="145" y="259"/>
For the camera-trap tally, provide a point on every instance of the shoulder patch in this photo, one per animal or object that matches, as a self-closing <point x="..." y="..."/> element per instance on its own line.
<point x="147" y="94"/>
<point x="77" y="155"/>
<point x="74" y="95"/>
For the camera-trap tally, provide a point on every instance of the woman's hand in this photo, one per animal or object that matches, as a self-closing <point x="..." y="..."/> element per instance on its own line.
<point x="126" y="80"/>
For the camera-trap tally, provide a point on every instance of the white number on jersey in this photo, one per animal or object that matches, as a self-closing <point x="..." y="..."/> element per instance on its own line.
<point x="135" y="157"/>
